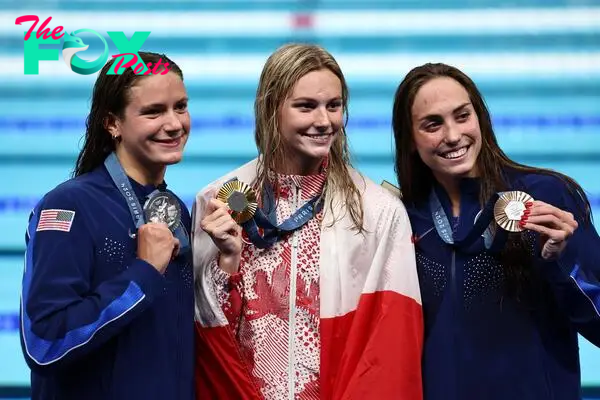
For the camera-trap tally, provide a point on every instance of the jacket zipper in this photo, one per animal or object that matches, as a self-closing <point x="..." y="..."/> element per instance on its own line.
<point x="292" y="301"/>
<point x="455" y="333"/>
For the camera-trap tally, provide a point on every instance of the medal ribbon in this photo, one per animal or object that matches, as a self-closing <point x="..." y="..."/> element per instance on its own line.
<point x="266" y="218"/>
<point x="442" y="225"/>
<point x="120" y="179"/>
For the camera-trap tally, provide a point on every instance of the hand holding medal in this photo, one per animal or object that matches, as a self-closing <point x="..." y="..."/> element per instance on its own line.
<point x="157" y="244"/>
<point x="239" y="200"/>
<point x="234" y="204"/>
<point x="510" y="208"/>
<point x="517" y="211"/>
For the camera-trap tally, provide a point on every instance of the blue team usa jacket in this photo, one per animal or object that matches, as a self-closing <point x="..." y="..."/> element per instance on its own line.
<point x="97" y="323"/>
<point x="483" y="343"/>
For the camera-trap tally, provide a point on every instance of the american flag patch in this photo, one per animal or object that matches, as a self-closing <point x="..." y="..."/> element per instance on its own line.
<point x="55" y="220"/>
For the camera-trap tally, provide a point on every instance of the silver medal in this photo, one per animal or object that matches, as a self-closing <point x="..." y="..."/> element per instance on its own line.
<point x="163" y="207"/>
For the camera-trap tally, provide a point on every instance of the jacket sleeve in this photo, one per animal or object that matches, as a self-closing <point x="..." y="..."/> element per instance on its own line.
<point x="217" y="293"/>
<point x="575" y="275"/>
<point x="230" y="292"/>
<point x="63" y="317"/>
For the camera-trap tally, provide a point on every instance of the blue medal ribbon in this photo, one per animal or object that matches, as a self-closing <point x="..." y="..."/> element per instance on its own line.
<point x="265" y="217"/>
<point x="120" y="179"/>
<point x="444" y="230"/>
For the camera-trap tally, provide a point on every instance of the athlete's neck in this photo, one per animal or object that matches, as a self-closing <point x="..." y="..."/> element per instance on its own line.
<point x="142" y="174"/>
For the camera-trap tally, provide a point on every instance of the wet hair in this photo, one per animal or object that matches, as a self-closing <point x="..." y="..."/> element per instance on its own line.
<point x="280" y="74"/>
<point x="110" y="98"/>
<point x="416" y="178"/>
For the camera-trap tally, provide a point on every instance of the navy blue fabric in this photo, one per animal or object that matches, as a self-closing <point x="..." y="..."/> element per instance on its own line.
<point x="96" y="322"/>
<point x="483" y="341"/>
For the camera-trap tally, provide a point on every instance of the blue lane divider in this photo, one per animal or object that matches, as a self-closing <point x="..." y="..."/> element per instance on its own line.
<point x="51" y="126"/>
<point x="9" y="322"/>
<point x="20" y="204"/>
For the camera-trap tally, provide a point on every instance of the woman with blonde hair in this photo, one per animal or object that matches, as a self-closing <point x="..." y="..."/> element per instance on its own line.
<point x="315" y="294"/>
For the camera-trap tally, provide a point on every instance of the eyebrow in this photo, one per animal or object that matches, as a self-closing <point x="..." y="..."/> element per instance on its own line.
<point x="151" y="106"/>
<point x="433" y="116"/>
<point x="315" y="100"/>
<point x="160" y="105"/>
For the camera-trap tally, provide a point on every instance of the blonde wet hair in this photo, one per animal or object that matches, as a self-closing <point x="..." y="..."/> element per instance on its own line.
<point x="280" y="74"/>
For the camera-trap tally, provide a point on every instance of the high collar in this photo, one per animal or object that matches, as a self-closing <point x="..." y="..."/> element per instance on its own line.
<point x="309" y="185"/>
<point x="145" y="190"/>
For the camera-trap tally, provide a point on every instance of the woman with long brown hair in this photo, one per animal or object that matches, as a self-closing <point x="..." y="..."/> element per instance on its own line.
<point x="507" y="254"/>
<point x="107" y="303"/>
<point x="316" y="294"/>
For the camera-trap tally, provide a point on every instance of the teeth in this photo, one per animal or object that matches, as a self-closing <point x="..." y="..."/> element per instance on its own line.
<point x="455" y="154"/>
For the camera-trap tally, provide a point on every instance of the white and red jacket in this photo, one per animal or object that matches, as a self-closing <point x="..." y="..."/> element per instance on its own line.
<point x="364" y="288"/>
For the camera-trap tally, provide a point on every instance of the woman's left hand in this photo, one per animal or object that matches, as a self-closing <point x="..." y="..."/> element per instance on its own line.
<point x="554" y="225"/>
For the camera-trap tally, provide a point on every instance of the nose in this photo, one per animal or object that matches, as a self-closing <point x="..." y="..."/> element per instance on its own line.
<point x="322" y="122"/>
<point x="173" y="122"/>
<point x="453" y="134"/>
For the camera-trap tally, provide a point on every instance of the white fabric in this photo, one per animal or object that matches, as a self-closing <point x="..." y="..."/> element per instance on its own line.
<point x="380" y="259"/>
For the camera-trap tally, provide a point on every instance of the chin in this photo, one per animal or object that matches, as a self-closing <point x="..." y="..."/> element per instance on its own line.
<point x="457" y="171"/>
<point x="168" y="159"/>
<point x="321" y="153"/>
<point x="173" y="160"/>
<point x="462" y="171"/>
<point x="318" y="151"/>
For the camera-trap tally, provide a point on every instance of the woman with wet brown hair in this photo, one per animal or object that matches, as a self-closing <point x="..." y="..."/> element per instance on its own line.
<point x="107" y="300"/>
<point x="507" y="254"/>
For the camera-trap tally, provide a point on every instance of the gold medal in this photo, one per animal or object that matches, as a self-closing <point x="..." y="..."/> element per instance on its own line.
<point x="509" y="209"/>
<point x="240" y="198"/>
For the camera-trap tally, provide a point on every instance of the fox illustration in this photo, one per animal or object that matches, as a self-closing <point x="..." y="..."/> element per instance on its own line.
<point x="71" y="45"/>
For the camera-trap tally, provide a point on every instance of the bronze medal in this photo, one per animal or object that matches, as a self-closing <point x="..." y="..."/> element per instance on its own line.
<point x="509" y="209"/>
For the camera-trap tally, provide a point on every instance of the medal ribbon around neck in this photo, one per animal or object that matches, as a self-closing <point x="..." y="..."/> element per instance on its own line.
<point x="444" y="229"/>
<point x="241" y="199"/>
<point x="505" y="208"/>
<point x="155" y="208"/>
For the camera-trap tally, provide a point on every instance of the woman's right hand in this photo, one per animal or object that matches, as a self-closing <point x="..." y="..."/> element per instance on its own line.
<point x="225" y="233"/>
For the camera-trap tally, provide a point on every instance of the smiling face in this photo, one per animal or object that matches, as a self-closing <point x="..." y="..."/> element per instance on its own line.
<point x="446" y="132"/>
<point x="155" y="125"/>
<point x="310" y="118"/>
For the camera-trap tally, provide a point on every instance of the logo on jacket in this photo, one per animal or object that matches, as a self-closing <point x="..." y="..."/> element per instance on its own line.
<point x="415" y="238"/>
